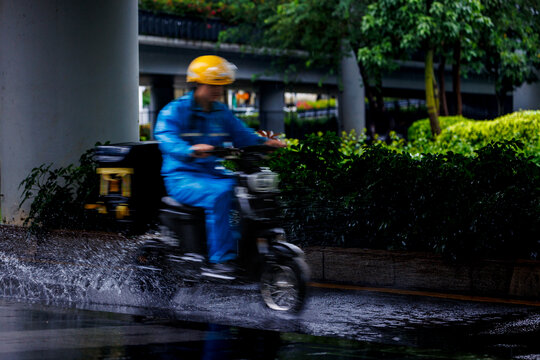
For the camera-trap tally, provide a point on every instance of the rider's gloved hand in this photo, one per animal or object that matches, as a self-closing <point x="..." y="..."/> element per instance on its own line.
<point x="201" y="150"/>
<point x="275" y="143"/>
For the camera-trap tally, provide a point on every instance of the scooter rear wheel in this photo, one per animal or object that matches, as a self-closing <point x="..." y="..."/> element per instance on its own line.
<point x="283" y="285"/>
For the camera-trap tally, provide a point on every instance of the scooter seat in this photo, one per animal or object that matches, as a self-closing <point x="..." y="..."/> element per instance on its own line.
<point x="169" y="203"/>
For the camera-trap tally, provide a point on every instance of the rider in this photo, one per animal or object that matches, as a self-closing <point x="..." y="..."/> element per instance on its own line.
<point x="187" y="128"/>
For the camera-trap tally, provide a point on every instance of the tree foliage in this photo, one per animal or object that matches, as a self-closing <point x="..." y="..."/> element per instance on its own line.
<point x="232" y="12"/>
<point x="495" y="37"/>
<point x="317" y="27"/>
<point x="512" y="48"/>
<point x="397" y="29"/>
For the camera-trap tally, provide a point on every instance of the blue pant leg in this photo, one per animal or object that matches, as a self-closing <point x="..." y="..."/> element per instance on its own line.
<point x="222" y="245"/>
<point x="215" y="196"/>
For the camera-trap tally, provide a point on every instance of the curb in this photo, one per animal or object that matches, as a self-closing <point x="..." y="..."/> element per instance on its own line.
<point x="424" y="271"/>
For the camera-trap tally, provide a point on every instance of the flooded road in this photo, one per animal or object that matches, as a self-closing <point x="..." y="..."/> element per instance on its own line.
<point x="36" y="331"/>
<point x="95" y="292"/>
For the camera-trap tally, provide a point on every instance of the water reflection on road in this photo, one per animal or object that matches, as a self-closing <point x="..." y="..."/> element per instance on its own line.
<point x="77" y="280"/>
<point x="36" y="331"/>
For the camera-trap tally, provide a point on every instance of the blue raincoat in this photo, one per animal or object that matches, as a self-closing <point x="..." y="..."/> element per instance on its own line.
<point x="196" y="181"/>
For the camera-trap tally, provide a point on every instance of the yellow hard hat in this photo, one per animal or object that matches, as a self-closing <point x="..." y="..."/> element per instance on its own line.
<point x="211" y="70"/>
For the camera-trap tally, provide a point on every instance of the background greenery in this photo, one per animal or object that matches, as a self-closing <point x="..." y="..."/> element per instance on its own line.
<point x="465" y="136"/>
<point x="460" y="195"/>
<point x="495" y="39"/>
<point x="375" y="197"/>
<point x="295" y="126"/>
<point x="58" y="195"/>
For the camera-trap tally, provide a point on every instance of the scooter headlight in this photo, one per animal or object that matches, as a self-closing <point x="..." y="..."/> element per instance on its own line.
<point x="263" y="181"/>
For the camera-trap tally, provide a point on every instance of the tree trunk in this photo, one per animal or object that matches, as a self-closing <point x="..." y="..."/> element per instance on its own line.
<point x="376" y="101"/>
<point x="442" y="89"/>
<point x="436" y="93"/>
<point x="430" y="94"/>
<point x="371" y="95"/>
<point x="456" y="78"/>
<point x="500" y="95"/>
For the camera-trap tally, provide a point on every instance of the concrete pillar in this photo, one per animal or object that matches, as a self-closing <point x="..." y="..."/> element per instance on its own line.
<point x="352" y="112"/>
<point x="527" y="97"/>
<point x="161" y="93"/>
<point x="271" y="104"/>
<point x="68" y="78"/>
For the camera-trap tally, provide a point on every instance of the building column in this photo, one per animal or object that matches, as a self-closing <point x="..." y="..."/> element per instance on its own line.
<point x="352" y="108"/>
<point x="68" y="78"/>
<point x="271" y="103"/>
<point x="527" y="97"/>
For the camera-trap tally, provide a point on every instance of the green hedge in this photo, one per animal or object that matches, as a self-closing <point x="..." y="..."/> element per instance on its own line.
<point x="458" y="206"/>
<point x="464" y="136"/>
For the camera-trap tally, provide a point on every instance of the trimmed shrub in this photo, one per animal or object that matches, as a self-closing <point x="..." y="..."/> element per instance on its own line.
<point x="421" y="129"/>
<point x="464" y="136"/>
<point x="487" y="206"/>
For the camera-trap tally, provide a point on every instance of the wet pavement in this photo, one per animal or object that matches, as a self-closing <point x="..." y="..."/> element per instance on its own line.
<point x="37" y="331"/>
<point x="80" y="299"/>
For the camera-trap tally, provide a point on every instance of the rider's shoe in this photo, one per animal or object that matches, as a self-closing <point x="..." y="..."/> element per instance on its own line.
<point x="186" y="258"/>
<point x="223" y="271"/>
<point x="192" y="257"/>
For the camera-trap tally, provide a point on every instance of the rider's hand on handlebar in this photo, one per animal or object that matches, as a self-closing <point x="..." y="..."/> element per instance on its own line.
<point x="201" y="150"/>
<point x="275" y="143"/>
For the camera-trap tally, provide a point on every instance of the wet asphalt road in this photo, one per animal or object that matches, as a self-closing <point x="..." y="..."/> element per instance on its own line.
<point x="81" y="303"/>
<point x="335" y="324"/>
<point x="32" y="330"/>
<point x="35" y="331"/>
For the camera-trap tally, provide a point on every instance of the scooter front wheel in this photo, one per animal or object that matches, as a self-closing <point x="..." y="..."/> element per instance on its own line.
<point x="283" y="285"/>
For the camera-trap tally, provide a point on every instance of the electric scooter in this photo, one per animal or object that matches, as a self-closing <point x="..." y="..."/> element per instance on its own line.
<point x="264" y="256"/>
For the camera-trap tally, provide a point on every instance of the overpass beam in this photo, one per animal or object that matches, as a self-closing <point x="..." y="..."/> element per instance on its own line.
<point x="68" y="78"/>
